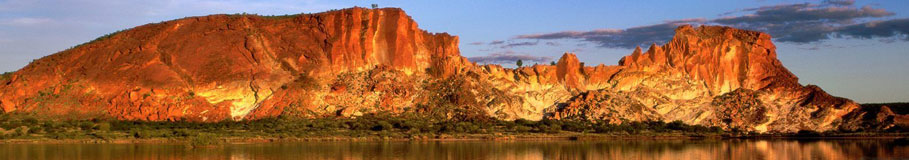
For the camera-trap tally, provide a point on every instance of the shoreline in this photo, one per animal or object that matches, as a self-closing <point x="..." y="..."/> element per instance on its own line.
<point x="26" y="129"/>
<point x="452" y="138"/>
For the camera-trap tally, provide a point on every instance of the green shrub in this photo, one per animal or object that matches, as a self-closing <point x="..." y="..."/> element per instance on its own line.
<point x="412" y="125"/>
<point x="85" y="125"/>
<point x="606" y="128"/>
<point x="36" y="129"/>
<point x="522" y="129"/>
<point x="103" y="135"/>
<point x="205" y="139"/>
<point x="64" y="135"/>
<point x="377" y="124"/>
<point x="20" y="132"/>
<point x="808" y="133"/>
<point x="524" y="122"/>
<point x="150" y="133"/>
<point x="576" y="126"/>
<point x="6" y="76"/>
<point x="717" y="129"/>
<point x="460" y="127"/>
<point x="185" y="133"/>
<point x="550" y="128"/>
<point x="102" y="126"/>
<point x="677" y="125"/>
<point x="382" y="125"/>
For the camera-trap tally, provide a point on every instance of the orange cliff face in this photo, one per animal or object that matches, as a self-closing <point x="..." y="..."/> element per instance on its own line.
<point x="724" y="58"/>
<point x="357" y="61"/>
<point x="710" y="75"/>
<point x="714" y="76"/>
<point x="222" y="66"/>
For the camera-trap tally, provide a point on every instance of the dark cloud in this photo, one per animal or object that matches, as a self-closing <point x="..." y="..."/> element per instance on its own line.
<point x="824" y="46"/>
<point x="614" y="38"/>
<point x="518" y="44"/>
<point x="878" y="29"/>
<point x="508" y="57"/>
<point x="496" y="42"/>
<point x="794" y="23"/>
<point x="839" y="2"/>
<point x="802" y="23"/>
<point x="553" y="44"/>
<point x="476" y="43"/>
<point x="794" y="13"/>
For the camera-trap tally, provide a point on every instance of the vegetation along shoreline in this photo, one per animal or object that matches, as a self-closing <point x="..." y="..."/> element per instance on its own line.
<point x="17" y="129"/>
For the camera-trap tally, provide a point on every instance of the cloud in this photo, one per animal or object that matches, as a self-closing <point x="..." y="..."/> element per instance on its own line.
<point x="26" y="21"/>
<point x="878" y="29"/>
<point x="802" y="23"/>
<point x="518" y="44"/>
<point x="793" y="23"/>
<point x="839" y="2"/>
<point x="508" y="57"/>
<point x="553" y="44"/>
<point x="803" y="12"/>
<point x="504" y="45"/>
<point x="624" y="38"/>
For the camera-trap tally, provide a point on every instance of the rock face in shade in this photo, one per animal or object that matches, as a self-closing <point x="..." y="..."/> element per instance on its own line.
<point x="357" y="61"/>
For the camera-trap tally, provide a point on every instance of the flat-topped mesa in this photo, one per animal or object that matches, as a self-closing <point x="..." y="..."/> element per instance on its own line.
<point x="724" y="58"/>
<point x="228" y="64"/>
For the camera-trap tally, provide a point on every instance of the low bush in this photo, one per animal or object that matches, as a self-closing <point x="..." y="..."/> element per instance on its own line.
<point x="378" y="124"/>
<point x="204" y="140"/>
<point x="6" y="76"/>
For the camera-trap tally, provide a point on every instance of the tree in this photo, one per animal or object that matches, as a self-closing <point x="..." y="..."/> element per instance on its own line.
<point x="552" y="63"/>
<point x="519" y="63"/>
<point x="374" y="6"/>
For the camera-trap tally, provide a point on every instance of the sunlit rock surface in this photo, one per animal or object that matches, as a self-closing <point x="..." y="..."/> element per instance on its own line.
<point x="357" y="61"/>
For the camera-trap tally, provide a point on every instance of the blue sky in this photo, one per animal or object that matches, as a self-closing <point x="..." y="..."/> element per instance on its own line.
<point x="853" y="49"/>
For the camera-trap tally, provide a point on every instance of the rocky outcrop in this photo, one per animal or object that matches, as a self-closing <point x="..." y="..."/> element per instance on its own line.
<point x="877" y="117"/>
<point x="708" y="75"/>
<point x="224" y="66"/>
<point x="357" y="61"/>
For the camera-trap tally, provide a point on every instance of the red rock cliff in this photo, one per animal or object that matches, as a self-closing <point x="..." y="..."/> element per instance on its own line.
<point x="356" y="61"/>
<point x="221" y="66"/>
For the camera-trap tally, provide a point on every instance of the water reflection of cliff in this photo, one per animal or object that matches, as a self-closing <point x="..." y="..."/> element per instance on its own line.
<point x="634" y="149"/>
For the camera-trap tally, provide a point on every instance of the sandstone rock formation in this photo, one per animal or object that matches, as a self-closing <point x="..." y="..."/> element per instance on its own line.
<point x="225" y="66"/>
<point x="357" y="61"/>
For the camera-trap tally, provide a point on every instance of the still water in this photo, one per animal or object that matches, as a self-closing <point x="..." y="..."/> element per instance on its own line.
<point x="613" y="149"/>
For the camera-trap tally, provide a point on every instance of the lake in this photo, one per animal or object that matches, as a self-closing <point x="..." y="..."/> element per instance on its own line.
<point x="548" y="149"/>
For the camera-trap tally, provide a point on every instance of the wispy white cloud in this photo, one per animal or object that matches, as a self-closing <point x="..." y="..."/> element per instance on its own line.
<point x="509" y="56"/>
<point x="26" y="21"/>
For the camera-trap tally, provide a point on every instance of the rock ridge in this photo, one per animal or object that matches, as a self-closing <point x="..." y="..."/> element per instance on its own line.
<point x="357" y="61"/>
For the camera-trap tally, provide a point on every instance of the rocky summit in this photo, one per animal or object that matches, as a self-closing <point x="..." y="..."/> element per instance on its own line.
<point x="357" y="61"/>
